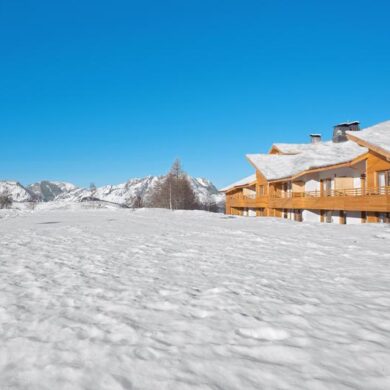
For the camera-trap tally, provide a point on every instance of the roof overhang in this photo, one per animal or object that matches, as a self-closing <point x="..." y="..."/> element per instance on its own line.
<point x="258" y="172"/>
<point x="236" y="187"/>
<point x="375" y="148"/>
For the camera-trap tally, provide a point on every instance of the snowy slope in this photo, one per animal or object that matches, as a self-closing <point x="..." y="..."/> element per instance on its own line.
<point x="47" y="190"/>
<point x="155" y="299"/>
<point x="206" y="191"/>
<point x="123" y="193"/>
<point x="17" y="192"/>
<point x="127" y="193"/>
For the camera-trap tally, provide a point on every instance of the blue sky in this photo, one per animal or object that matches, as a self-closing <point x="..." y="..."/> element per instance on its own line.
<point x="102" y="91"/>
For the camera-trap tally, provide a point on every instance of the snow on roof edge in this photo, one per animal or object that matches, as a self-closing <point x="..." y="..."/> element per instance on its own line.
<point x="320" y="155"/>
<point x="376" y="136"/>
<point x="242" y="182"/>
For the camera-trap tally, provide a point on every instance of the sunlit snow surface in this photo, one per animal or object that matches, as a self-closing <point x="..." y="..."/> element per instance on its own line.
<point x="152" y="299"/>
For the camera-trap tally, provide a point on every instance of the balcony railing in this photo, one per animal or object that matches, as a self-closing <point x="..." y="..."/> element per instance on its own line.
<point x="248" y="199"/>
<point x="385" y="190"/>
<point x="376" y="199"/>
<point x="243" y="197"/>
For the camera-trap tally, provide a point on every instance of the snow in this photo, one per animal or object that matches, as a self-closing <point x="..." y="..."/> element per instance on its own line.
<point x="127" y="193"/>
<point x="292" y="148"/>
<point x="65" y="186"/>
<point x="16" y="191"/>
<point x="322" y="154"/>
<point x="348" y="123"/>
<point x="377" y="136"/>
<point x="153" y="299"/>
<point x="206" y="192"/>
<point x="242" y="182"/>
<point x="48" y="190"/>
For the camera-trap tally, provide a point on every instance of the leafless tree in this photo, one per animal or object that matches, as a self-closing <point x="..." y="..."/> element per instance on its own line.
<point x="135" y="203"/>
<point x="210" y="205"/>
<point x="5" y="201"/>
<point x="175" y="191"/>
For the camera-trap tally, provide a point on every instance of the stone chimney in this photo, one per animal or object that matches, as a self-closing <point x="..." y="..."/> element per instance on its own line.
<point x="315" y="138"/>
<point x="339" y="131"/>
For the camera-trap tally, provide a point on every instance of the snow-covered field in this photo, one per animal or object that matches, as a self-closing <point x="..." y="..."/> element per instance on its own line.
<point x="153" y="299"/>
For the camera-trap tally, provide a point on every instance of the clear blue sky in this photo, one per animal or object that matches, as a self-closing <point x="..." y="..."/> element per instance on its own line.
<point x="102" y="91"/>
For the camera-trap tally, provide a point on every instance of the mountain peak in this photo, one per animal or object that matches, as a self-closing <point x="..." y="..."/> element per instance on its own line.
<point x="127" y="193"/>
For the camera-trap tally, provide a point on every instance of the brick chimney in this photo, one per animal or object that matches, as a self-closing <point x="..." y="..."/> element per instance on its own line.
<point x="339" y="130"/>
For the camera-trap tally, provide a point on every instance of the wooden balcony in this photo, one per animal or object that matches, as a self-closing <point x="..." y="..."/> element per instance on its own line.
<point x="249" y="201"/>
<point x="354" y="199"/>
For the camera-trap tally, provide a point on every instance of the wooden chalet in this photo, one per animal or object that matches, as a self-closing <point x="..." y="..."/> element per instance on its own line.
<point x="345" y="180"/>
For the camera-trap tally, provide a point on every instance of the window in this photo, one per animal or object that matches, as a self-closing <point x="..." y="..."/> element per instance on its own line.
<point x="363" y="184"/>
<point x="326" y="187"/>
<point x="384" y="178"/>
<point x="383" y="181"/>
<point x="286" y="189"/>
<point x="261" y="190"/>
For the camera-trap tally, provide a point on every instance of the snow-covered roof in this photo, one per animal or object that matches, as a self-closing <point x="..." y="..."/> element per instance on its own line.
<point x="311" y="156"/>
<point x="292" y="148"/>
<point x="377" y="136"/>
<point x="242" y="182"/>
<point x="348" y="123"/>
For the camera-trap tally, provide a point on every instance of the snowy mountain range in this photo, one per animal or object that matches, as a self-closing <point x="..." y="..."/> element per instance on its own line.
<point x="48" y="190"/>
<point x="17" y="192"/>
<point x="126" y="193"/>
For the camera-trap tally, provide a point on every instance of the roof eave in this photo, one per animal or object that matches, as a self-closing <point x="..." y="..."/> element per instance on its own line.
<point x="256" y="168"/>
<point x="369" y="145"/>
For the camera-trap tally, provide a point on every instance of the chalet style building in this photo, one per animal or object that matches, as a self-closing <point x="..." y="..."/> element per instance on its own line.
<point x="345" y="180"/>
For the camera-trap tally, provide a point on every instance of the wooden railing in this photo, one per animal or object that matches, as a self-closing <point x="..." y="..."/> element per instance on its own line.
<point x="334" y="192"/>
<point x="243" y="197"/>
<point x="248" y="200"/>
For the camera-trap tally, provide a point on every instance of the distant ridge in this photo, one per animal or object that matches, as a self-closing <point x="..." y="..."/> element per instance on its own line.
<point x="134" y="191"/>
<point x="16" y="191"/>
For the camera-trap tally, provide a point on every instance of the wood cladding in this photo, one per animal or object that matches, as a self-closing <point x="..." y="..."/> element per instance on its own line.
<point x="338" y="194"/>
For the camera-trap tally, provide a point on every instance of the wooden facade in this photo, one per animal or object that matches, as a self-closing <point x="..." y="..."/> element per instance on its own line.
<point x="338" y="198"/>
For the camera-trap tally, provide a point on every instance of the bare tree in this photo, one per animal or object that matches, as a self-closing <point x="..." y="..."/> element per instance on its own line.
<point x="135" y="203"/>
<point x="210" y="205"/>
<point x="5" y="201"/>
<point x="175" y="191"/>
